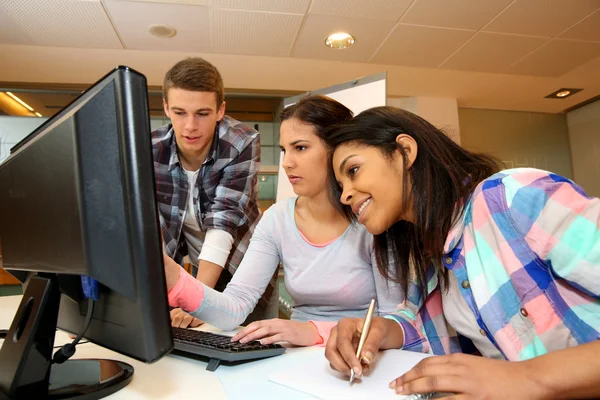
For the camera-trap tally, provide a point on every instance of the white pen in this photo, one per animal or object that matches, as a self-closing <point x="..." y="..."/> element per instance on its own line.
<point x="363" y="334"/>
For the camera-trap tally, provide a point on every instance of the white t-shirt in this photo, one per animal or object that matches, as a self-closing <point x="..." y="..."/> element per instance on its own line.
<point x="194" y="236"/>
<point x="213" y="245"/>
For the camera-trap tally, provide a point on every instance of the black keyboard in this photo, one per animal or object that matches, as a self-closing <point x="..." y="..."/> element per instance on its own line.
<point x="220" y="347"/>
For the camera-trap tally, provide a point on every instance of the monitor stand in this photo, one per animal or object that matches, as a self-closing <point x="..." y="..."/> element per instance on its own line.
<point x="26" y="371"/>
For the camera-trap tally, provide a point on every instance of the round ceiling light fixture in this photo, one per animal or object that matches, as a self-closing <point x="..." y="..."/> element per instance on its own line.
<point x="162" y="31"/>
<point x="564" y="93"/>
<point x="340" y="40"/>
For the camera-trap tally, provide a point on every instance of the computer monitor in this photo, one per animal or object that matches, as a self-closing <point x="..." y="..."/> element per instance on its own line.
<point x="77" y="198"/>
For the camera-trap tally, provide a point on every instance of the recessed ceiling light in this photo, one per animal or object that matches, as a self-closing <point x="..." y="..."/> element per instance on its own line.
<point x="563" y="93"/>
<point x="162" y="31"/>
<point x="340" y="40"/>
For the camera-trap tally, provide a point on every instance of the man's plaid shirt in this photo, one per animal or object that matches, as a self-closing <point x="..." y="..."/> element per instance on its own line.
<point x="226" y="193"/>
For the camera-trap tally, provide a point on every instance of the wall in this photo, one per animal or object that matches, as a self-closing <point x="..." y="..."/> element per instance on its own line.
<point x="584" y="137"/>
<point x="519" y="139"/>
<point x="441" y="113"/>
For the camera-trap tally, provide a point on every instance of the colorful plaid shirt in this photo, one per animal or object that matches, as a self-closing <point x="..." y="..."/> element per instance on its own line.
<point x="226" y="193"/>
<point x="526" y="254"/>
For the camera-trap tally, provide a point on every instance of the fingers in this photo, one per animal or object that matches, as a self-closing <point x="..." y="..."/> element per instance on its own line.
<point x="186" y="321"/>
<point x="263" y="330"/>
<point x="332" y="354"/>
<point x="278" y="330"/>
<point x="437" y="365"/>
<point x="176" y="317"/>
<point x="256" y="334"/>
<point x="180" y="319"/>
<point x="435" y="383"/>
<point x="375" y="337"/>
<point x="341" y="346"/>
<point x="278" y="337"/>
<point x="196" y="323"/>
<point x="347" y="347"/>
<point x="373" y="341"/>
<point x="434" y="374"/>
<point x="252" y="327"/>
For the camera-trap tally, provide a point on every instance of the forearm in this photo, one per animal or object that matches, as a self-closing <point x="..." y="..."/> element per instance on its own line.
<point x="213" y="256"/>
<point x="187" y="293"/>
<point x="223" y="310"/>
<point x="572" y="373"/>
<point x="226" y="310"/>
<point x="172" y="270"/>
<point x="208" y="273"/>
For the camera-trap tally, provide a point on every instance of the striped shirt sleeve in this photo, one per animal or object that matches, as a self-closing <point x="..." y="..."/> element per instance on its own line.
<point x="560" y="223"/>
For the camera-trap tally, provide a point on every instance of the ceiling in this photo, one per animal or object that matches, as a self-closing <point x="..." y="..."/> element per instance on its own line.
<point x="498" y="54"/>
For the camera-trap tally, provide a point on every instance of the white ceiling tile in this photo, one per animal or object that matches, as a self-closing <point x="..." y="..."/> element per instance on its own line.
<point x="188" y="2"/>
<point x="132" y="21"/>
<point x="556" y="58"/>
<point x="285" y="6"/>
<point x="386" y="10"/>
<point x="541" y="17"/>
<point x="588" y="29"/>
<point x="492" y="52"/>
<point x="254" y="33"/>
<point x="65" y="23"/>
<point x="462" y="14"/>
<point x="368" y="34"/>
<point x="420" y="46"/>
<point x="10" y="32"/>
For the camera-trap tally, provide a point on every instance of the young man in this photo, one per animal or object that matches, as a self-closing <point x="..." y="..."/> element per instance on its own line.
<point x="206" y="166"/>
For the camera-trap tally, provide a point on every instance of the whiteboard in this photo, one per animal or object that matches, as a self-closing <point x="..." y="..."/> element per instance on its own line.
<point x="357" y="95"/>
<point x="13" y="130"/>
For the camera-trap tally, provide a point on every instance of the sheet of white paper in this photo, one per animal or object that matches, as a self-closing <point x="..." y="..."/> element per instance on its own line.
<point x="315" y="377"/>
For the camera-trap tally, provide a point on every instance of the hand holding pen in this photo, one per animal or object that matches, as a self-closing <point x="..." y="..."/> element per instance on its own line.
<point x="345" y="337"/>
<point x="364" y="334"/>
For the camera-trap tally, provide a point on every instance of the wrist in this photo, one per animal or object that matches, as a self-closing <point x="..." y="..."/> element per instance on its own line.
<point x="315" y="336"/>
<point x="394" y="335"/>
<point x="540" y="386"/>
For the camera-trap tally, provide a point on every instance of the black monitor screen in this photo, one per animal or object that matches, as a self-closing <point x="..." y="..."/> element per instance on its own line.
<point x="77" y="198"/>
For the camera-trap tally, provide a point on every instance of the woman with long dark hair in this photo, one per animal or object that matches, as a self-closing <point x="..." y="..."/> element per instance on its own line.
<point x="505" y="263"/>
<point x="328" y="263"/>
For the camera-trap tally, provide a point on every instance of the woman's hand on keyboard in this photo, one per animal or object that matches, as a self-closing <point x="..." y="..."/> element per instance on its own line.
<point x="181" y="319"/>
<point x="280" y="330"/>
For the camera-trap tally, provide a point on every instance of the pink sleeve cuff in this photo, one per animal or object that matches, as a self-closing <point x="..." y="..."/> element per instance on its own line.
<point x="323" y="329"/>
<point x="187" y="293"/>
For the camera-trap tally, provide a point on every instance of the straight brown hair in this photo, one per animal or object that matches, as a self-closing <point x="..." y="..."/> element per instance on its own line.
<point x="197" y="75"/>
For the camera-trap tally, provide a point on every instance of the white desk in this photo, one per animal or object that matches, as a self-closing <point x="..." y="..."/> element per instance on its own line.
<point x="176" y="377"/>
